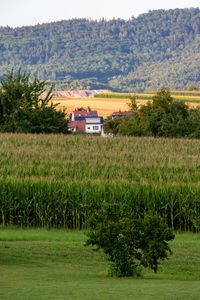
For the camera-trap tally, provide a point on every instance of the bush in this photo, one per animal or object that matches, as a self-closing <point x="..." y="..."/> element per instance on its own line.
<point x="129" y="243"/>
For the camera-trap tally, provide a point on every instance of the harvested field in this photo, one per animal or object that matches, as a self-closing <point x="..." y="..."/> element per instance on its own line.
<point x="104" y="106"/>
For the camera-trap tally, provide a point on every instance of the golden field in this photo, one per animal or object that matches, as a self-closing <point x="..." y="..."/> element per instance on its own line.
<point x="104" y="106"/>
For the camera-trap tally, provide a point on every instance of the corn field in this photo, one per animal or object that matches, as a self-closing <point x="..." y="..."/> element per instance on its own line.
<point x="56" y="181"/>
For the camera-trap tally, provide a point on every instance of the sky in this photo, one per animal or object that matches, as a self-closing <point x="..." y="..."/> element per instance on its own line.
<point x="17" y="13"/>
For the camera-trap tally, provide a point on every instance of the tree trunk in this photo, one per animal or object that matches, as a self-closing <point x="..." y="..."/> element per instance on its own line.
<point x="155" y="268"/>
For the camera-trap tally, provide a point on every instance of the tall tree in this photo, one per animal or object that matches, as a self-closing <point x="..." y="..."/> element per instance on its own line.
<point x="23" y="108"/>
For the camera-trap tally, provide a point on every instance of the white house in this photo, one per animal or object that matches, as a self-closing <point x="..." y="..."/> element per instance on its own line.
<point x="93" y="124"/>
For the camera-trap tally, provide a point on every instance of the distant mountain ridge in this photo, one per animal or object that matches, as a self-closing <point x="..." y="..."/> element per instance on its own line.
<point x="160" y="48"/>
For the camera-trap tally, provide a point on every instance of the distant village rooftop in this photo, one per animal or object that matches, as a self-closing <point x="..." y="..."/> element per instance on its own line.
<point x="81" y="113"/>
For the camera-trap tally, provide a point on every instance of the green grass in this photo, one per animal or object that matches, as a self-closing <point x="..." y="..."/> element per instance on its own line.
<point x="42" y="264"/>
<point x="13" y="233"/>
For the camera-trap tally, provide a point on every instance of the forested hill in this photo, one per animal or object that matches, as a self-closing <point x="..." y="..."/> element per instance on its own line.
<point x="160" y="48"/>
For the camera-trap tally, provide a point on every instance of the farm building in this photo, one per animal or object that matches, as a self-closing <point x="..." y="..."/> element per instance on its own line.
<point x="86" y="121"/>
<point x="81" y="114"/>
<point x="75" y="126"/>
<point x="93" y="124"/>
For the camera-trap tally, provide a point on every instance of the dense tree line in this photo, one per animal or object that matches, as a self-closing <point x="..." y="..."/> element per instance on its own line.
<point x="163" y="117"/>
<point x="155" y="49"/>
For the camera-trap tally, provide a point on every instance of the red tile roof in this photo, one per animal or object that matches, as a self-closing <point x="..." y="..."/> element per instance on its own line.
<point x="85" y="112"/>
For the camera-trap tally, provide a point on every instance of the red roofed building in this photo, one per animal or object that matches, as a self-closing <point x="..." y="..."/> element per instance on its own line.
<point x="86" y="121"/>
<point x="74" y="126"/>
<point x="82" y="114"/>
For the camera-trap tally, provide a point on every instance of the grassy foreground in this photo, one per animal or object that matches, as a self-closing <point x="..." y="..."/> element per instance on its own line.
<point x="41" y="264"/>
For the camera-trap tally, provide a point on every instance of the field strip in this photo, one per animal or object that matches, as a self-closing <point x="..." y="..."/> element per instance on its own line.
<point x="104" y="106"/>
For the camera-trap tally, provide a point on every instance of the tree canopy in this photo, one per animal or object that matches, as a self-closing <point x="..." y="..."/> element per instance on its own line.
<point x="23" y="108"/>
<point x="128" y="242"/>
<point x="144" y="53"/>
<point x="163" y="117"/>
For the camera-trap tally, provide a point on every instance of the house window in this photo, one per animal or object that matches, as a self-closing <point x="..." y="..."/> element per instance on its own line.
<point x="95" y="127"/>
<point x="88" y="127"/>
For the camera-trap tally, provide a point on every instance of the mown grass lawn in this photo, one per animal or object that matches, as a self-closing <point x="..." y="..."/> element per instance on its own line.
<point x="41" y="264"/>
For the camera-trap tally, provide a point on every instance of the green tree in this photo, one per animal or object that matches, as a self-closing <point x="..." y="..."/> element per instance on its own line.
<point x="162" y="117"/>
<point x="193" y="124"/>
<point x="132" y="104"/>
<point x="154" y="238"/>
<point x="166" y="117"/>
<point x="112" y="126"/>
<point x="118" y="237"/>
<point x="23" y="108"/>
<point x="129" y="242"/>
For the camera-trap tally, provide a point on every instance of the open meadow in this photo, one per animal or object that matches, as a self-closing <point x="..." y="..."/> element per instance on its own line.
<point x="54" y="264"/>
<point x="108" y="103"/>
